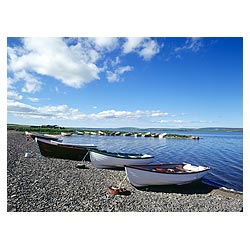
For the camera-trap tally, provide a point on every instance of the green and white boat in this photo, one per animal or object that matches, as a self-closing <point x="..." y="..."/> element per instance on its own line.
<point x="105" y="159"/>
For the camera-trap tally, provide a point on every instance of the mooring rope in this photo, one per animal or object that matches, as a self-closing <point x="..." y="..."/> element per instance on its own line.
<point x="119" y="186"/>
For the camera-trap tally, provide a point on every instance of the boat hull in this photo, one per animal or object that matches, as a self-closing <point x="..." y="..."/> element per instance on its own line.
<point x="64" y="151"/>
<point x="143" y="176"/>
<point x="100" y="160"/>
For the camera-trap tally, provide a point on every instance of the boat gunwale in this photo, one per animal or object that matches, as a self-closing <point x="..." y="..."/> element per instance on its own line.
<point x="65" y="145"/>
<point x="139" y="167"/>
<point x="121" y="155"/>
<point x="44" y="136"/>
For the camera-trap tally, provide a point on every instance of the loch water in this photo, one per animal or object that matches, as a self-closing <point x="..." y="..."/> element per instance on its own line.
<point x="221" y="151"/>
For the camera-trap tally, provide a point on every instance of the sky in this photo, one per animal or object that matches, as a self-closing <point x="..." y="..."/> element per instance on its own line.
<point x="145" y="82"/>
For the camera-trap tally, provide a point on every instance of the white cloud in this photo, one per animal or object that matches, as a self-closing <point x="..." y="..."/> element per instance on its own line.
<point x="193" y="44"/>
<point x="124" y="69"/>
<point x="131" y="44"/>
<point x="20" y="109"/>
<point x="31" y="84"/>
<point x="63" y="112"/>
<point x="121" y="114"/>
<point x="10" y="83"/>
<point x="144" y="47"/>
<point x="33" y="99"/>
<point x="52" y="57"/>
<point x="115" y="62"/>
<point x="60" y="112"/>
<point x="116" y="75"/>
<point x="73" y="61"/>
<point x="112" y="77"/>
<point x="31" y="87"/>
<point x="172" y="121"/>
<point x="104" y="43"/>
<point x="159" y="113"/>
<point x="190" y="45"/>
<point x="12" y="94"/>
<point x="150" y="48"/>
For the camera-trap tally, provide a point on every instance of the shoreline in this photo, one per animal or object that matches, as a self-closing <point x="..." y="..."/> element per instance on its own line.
<point x="49" y="184"/>
<point x="70" y="132"/>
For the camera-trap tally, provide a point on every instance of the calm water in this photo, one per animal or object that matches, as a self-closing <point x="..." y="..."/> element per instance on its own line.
<point x="223" y="152"/>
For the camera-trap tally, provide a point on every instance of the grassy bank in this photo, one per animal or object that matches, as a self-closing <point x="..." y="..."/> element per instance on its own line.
<point x="28" y="128"/>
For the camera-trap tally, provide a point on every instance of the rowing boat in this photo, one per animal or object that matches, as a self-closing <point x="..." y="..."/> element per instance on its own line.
<point x="104" y="159"/>
<point x="66" y="134"/>
<point x="42" y="136"/>
<point x="62" y="150"/>
<point x="164" y="174"/>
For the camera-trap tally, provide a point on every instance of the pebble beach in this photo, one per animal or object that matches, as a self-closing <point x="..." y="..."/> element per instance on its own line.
<point x="41" y="184"/>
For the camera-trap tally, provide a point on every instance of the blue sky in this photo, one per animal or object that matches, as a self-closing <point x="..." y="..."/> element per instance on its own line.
<point x="115" y="82"/>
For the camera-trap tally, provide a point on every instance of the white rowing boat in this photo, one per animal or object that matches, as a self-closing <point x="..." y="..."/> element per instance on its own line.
<point x="104" y="159"/>
<point x="164" y="174"/>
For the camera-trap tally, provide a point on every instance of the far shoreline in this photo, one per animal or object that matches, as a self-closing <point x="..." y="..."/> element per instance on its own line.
<point x="127" y="129"/>
<point x="168" y="133"/>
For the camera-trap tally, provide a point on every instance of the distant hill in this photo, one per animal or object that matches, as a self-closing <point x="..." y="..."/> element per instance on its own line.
<point x="219" y="129"/>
